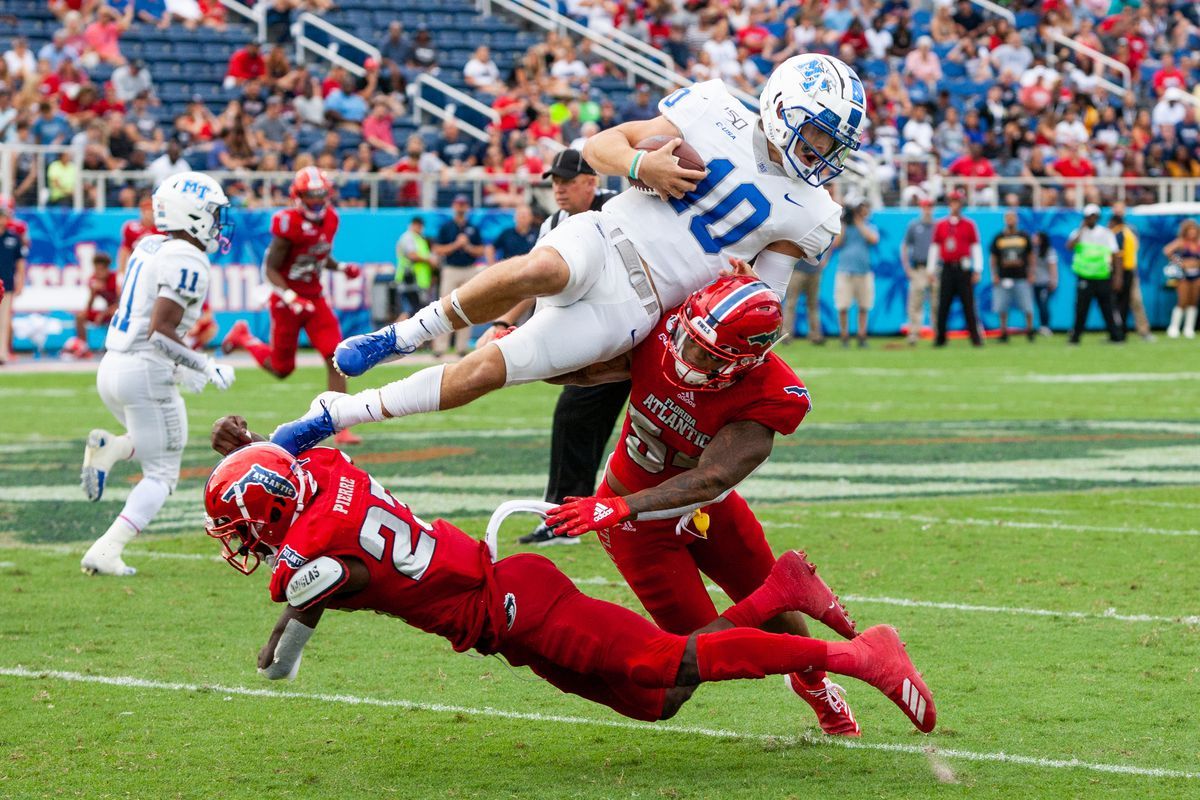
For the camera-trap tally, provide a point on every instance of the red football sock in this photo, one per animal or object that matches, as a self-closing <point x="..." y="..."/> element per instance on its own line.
<point x="259" y="350"/>
<point x="749" y="653"/>
<point x="759" y="606"/>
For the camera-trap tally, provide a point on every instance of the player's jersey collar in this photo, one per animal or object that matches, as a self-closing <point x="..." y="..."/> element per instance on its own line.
<point x="762" y="155"/>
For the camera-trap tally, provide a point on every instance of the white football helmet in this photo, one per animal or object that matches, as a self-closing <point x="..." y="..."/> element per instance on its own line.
<point x="194" y="203"/>
<point x="825" y="95"/>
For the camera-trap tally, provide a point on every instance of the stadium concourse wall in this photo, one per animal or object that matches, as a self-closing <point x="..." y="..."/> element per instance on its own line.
<point x="61" y="240"/>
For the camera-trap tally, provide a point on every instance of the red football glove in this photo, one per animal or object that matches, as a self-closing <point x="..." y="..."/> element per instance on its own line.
<point x="302" y="307"/>
<point x="579" y="515"/>
<point x="351" y="271"/>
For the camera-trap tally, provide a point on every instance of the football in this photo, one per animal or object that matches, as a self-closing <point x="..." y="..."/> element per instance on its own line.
<point x="685" y="155"/>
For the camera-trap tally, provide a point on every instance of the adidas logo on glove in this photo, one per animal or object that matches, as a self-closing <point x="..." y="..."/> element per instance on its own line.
<point x="602" y="511"/>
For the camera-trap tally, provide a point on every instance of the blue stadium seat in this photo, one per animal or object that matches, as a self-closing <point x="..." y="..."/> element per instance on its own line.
<point x="953" y="70"/>
<point x="920" y="20"/>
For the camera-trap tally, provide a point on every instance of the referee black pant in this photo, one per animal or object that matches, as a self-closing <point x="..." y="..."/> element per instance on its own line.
<point x="583" y="422"/>
<point x="1101" y="290"/>
<point x="956" y="282"/>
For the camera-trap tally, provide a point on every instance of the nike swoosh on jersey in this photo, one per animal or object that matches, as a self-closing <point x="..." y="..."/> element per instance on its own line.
<point x="790" y="200"/>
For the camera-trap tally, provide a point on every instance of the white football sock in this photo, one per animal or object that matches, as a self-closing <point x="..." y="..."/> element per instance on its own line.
<point x="1189" y="322"/>
<point x="416" y="394"/>
<point x="428" y="323"/>
<point x="1176" y="320"/>
<point x="349" y="410"/>
<point x="143" y="503"/>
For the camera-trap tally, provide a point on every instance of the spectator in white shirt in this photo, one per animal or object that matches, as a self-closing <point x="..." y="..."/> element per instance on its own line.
<point x="1070" y="131"/>
<point x="169" y="163"/>
<point x="1013" y="55"/>
<point x="20" y="60"/>
<point x="722" y="50"/>
<point x="918" y="133"/>
<point x="1170" y="110"/>
<point x="568" y="67"/>
<point x="879" y="38"/>
<point x="131" y="79"/>
<point x="481" y="72"/>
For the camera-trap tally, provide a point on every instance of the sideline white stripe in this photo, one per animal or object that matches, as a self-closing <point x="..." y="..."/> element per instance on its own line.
<point x="1158" y="504"/>
<point x="987" y="523"/>
<point x="904" y="602"/>
<point x="412" y="705"/>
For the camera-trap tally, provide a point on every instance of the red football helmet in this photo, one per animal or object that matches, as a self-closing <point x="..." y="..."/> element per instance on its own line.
<point x="310" y="192"/>
<point x="251" y="499"/>
<point x="721" y="332"/>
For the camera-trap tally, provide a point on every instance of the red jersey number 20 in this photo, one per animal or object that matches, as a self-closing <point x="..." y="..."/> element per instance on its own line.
<point x="410" y="556"/>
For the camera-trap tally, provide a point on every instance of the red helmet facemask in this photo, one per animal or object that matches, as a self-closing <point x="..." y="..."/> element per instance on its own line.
<point x="251" y="499"/>
<point x="310" y="193"/>
<point x="721" y="332"/>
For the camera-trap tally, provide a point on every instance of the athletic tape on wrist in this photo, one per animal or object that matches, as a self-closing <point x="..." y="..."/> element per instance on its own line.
<point x="180" y="354"/>
<point x="636" y="165"/>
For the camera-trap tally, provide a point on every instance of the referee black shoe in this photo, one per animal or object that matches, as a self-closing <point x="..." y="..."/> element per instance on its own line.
<point x="543" y="535"/>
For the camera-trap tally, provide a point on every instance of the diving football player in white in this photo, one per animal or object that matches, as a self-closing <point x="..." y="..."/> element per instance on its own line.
<point x="603" y="277"/>
<point x="165" y="283"/>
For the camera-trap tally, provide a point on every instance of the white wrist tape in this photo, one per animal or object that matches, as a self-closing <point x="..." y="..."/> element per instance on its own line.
<point x="458" y="308"/>
<point x="180" y="354"/>
<point x="288" y="650"/>
<point x="288" y="296"/>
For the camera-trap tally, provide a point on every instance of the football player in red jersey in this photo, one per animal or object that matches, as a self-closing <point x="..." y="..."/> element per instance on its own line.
<point x="300" y="248"/>
<point x="339" y="540"/>
<point x="132" y="231"/>
<point x="102" y="287"/>
<point x="708" y="399"/>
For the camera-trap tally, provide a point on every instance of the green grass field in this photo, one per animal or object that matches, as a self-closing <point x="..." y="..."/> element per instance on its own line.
<point x="1027" y="517"/>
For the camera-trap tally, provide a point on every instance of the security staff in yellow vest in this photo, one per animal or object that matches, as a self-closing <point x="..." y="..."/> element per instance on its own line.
<point x="1094" y="256"/>
<point x="415" y="262"/>
<point x="1128" y="295"/>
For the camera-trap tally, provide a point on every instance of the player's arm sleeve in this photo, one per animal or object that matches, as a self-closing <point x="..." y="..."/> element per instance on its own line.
<point x="775" y="269"/>
<point x="780" y="407"/>
<point x="817" y="241"/>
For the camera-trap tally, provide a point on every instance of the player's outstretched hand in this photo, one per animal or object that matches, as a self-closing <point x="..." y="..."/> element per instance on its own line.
<point x="580" y="515"/>
<point x="496" y="332"/>
<point x="738" y="267"/>
<point x="229" y="433"/>
<point x="660" y="171"/>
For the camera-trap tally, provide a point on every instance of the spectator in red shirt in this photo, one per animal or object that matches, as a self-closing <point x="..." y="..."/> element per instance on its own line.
<point x="753" y="37"/>
<point x="246" y="64"/>
<point x="377" y="128"/>
<point x="543" y="127"/>
<point x="511" y="109"/>
<point x="855" y="37"/>
<point x="409" y="194"/>
<point x="972" y="164"/>
<point x="1073" y="163"/>
<point x="1168" y="76"/>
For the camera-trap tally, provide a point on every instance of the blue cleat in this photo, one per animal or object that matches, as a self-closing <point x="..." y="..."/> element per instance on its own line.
<point x="357" y="354"/>
<point x="308" y="431"/>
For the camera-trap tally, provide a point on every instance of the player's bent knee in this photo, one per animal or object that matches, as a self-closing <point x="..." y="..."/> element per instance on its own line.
<point x="675" y="698"/>
<point x="542" y="272"/>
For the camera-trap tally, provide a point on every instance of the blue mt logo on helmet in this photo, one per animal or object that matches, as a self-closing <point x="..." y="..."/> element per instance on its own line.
<point x="194" y="187"/>
<point x="272" y="483"/>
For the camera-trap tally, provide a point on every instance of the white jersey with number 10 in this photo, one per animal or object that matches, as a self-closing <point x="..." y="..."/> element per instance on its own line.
<point x="744" y="204"/>
<point x="158" y="267"/>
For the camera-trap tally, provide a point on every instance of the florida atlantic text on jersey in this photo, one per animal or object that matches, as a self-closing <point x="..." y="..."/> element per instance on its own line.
<point x="158" y="267"/>
<point x="744" y="204"/>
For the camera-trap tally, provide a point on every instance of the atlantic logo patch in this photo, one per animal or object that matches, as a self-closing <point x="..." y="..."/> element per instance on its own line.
<point x="290" y="557"/>
<point x="272" y="483"/>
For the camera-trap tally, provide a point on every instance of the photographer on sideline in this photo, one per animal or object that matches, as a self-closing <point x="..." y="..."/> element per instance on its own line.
<point x="854" y="283"/>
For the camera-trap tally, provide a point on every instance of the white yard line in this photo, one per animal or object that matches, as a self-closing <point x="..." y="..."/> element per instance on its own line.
<point x="1156" y="504"/>
<point x="1051" y="525"/>
<point x="675" y="730"/>
<point x="904" y="602"/>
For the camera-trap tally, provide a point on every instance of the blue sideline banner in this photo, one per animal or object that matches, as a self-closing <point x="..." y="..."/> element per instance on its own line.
<point x="56" y="285"/>
<point x="891" y="286"/>
<point x="61" y="240"/>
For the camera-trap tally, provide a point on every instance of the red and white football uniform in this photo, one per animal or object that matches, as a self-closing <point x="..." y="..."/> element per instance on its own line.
<point x="309" y="246"/>
<point x="666" y="430"/>
<point x="108" y="294"/>
<point x="441" y="580"/>
<point x="132" y="231"/>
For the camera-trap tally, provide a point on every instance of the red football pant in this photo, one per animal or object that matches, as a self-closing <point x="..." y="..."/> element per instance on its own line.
<point x="321" y="326"/>
<point x="664" y="568"/>
<point x="613" y="656"/>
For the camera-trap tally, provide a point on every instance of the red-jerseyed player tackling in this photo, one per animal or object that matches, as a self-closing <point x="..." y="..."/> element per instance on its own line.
<point x="301" y="246"/>
<point x="708" y="399"/>
<point x="340" y="540"/>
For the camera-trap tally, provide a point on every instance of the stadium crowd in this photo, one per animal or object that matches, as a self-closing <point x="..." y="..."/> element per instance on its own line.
<point x="947" y="86"/>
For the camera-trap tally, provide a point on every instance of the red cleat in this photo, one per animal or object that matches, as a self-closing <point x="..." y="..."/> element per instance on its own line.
<point x="887" y="667"/>
<point x="236" y="337"/>
<point x="347" y="437"/>
<point x="801" y="589"/>
<point x="833" y="713"/>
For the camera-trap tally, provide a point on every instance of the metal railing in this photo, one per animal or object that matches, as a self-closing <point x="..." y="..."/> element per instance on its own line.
<point x="1100" y="58"/>
<point x="330" y="50"/>
<point x="257" y="14"/>
<point x="422" y="105"/>
<point x="11" y="168"/>
<point x="634" y="63"/>
<point x="1074" y="192"/>
<point x="998" y="10"/>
